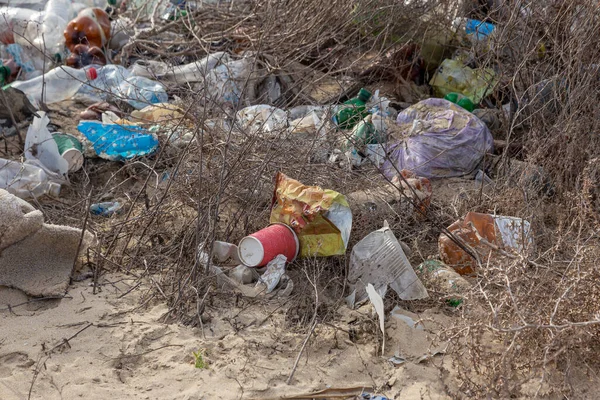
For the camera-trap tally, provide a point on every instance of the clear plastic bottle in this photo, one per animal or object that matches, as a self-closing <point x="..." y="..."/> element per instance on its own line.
<point x="59" y="84"/>
<point x="108" y="82"/>
<point x="141" y="92"/>
<point x="26" y="180"/>
<point x="196" y="71"/>
<point x="13" y="21"/>
<point x="46" y="28"/>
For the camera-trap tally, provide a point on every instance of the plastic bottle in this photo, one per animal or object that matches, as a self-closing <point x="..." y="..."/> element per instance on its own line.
<point x="106" y="209"/>
<point x="46" y="28"/>
<point x="353" y="110"/>
<point x="59" y="84"/>
<point x="107" y="82"/>
<point x="26" y="180"/>
<point x="507" y="233"/>
<point x="443" y="279"/>
<point x="140" y="92"/>
<point x="13" y="20"/>
<point x="4" y="74"/>
<point x="460" y="100"/>
<point x="196" y="71"/>
<point x="91" y="27"/>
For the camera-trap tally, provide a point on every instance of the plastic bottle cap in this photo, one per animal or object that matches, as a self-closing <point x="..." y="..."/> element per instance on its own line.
<point x="92" y="73"/>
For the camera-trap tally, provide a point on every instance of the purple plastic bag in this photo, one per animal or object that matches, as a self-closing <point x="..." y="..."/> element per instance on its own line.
<point x="438" y="139"/>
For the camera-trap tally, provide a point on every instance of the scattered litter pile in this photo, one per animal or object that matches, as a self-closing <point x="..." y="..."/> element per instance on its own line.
<point x="179" y="140"/>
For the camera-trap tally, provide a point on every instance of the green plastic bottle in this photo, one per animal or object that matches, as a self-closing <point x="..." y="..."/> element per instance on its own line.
<point x="353" y="110"/>
<point x="460" y="100"/>
<point x="5" y="73"/>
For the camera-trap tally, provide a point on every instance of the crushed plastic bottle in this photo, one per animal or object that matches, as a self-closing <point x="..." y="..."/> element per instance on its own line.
<point x="26" y="180"/>
<point x="57" y="85"/>
<point x="13" y="20"/>
<point x="196" y="71"/>
<point x="353" y="110"/>
<point x="107" y="82"/>
<point x="45" y="30"/>
<point x="442" y="279"/>
<point x="106" y="209"/>
<point x="140" y="92"/>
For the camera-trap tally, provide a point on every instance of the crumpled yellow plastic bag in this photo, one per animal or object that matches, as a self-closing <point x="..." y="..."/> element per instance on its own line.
<point x="453" y="76"/>
<point x="320" y="217"/>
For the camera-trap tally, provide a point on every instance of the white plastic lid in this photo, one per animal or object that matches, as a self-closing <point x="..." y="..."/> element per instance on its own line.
<point x="251" y="251"/>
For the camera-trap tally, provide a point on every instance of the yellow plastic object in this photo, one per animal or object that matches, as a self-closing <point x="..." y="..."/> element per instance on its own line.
<point x="452" y="76"/>
<point x="307" y="210"/>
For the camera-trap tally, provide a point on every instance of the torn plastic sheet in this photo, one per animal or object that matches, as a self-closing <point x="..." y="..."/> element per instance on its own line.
<point x="377" y="302"/>
<point x="118" y="142"/>
<point x="378" y="259"/>
<point x="397" y="313"/>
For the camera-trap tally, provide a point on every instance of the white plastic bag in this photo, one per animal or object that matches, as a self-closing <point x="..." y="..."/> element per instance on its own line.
<point x="41" y="150"/>
<point x="224" y="84"/>
<point x="262" y="119"/>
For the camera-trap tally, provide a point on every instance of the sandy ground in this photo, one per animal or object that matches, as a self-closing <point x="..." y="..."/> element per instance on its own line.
<point x="116" y="349"/>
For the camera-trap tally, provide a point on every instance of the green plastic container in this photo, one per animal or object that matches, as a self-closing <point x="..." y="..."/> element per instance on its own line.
<point x="353" y="110"/>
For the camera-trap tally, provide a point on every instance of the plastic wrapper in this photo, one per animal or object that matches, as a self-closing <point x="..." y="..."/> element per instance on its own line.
<point x="224" y="84"/>
<point x="453" y="77"/>
<point x="262" y="119"/>
<point x="505" y="233"/>
<point x="320" y="217"/>
<point x="438" y="139"/>
<point x="274" y="272"/>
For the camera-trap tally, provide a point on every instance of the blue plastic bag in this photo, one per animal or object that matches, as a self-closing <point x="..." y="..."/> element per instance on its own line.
<point x="118" y="142"/>
<point x="481" y="30"/>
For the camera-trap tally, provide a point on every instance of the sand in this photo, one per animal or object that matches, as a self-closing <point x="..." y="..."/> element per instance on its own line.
<point x="119" y="350"/>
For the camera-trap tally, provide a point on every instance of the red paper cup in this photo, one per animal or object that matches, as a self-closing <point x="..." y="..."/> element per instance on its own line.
<point x="261" y="247"/>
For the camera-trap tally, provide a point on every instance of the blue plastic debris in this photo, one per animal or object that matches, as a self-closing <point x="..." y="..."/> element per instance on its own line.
<point x="106" y="209"/>
<point x="369" y="396"/>
<point x="118" y="142"/>
<point x="480" y="29"/>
